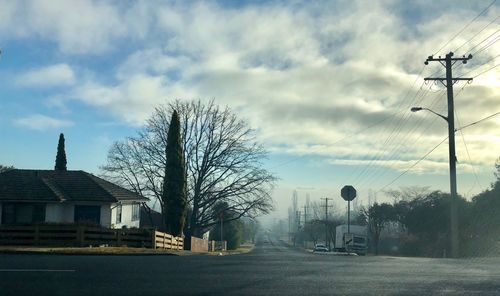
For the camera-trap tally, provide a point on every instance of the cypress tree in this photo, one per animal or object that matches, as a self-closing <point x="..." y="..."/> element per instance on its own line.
<point x="61" y="155"/>
<point x="174" y="183"/>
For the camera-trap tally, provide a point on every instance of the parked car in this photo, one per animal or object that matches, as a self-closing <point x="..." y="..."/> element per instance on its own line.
<point x="320" y="248"/>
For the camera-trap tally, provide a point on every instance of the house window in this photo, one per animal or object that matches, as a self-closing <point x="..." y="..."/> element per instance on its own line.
<point x="23" y="213"/>
<point x="135" y="211"/>
<point x="88" y="214"/>
<point x="118" y="214"/>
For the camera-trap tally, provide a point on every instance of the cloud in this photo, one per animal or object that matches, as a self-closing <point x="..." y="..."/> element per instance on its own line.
<point x="78" y="27"/>
<point x="41" y="122"/>
<point x="49" y="76"/>
<point x="132" y="99"/>
<point x="334" y="79"/>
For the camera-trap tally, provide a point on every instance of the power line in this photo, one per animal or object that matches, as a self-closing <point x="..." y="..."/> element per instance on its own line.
<point x="479" y="121"/>
<point x="349" y="136"/>
<point x="413" y="165"/>
<point x="485" y="39"/>
<point x="466" y="73"/>
<point x="477" y="34"/>
<point x="486" y="70"/>
<point x="468" y="155"/>
<point x="465" y="27"/>
<point x="400" y="144"/>
<point x="393" y="135"/>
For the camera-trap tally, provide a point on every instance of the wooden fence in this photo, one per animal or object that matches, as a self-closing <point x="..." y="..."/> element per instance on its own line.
<point x="80" y="235"/>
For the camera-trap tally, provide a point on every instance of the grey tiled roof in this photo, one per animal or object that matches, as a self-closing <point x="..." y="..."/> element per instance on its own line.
<point x="49" y="185"/>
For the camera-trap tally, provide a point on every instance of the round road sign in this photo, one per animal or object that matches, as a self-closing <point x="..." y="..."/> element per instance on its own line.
<point x="348" y="193"/>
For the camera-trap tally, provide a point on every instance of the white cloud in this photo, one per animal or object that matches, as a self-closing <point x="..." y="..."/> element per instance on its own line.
<point x="305" y="75"/>
<point x="41" y="122"/>
<point x="78" y="27"/>
<point x="49" y="76"/>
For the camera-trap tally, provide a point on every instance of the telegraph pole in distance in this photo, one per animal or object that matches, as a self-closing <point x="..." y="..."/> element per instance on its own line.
<point x="298" y="220"/>
<point x="448" y="82"/>
<point x="327" y="242"/>
<point x="305" y="215"/>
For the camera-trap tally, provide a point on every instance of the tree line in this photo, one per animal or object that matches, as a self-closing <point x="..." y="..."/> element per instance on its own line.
<point x="415" y="223"/>
<point x="423" y="221"/>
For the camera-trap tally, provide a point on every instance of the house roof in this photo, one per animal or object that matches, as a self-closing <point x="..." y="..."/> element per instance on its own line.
<point x="51" y="185"/>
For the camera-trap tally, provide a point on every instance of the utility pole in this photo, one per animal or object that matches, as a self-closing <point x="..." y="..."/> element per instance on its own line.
<point x="305" y="223"/>
<point x="327" y="242"/>
<point x="305" y="215"/>
<point x="448" y="82"/>
<point x="298" y="214"/>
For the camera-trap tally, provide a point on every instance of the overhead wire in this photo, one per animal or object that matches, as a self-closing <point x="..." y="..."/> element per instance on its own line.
<point x="478" y="121"/>
<point x="393" y="149"/>
<point x="465" y="27"/>
<point x="405" y="140"/>
<point x="401" y="110"/>
<point x="398" y="149"/>
<point x="477" y="34"/>
<point x="431" y="123"/>
<point x="468" y="41"/>
<point x="395" y="131"/>
<point x="413" y="165"/>
<point x="484" y="40"/>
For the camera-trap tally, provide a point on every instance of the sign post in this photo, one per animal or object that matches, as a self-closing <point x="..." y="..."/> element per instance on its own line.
<point x="348" y="193"/>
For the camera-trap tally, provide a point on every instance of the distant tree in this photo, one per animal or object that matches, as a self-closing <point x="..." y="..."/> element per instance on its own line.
<point x="427" y="221"/>
<point x="4" y="168"/>
<point x="250" y="229"/>
<point x="61" y="155"/>
<point x="485" y="225"/>
<point x="377" y="216"/>
<point x="174" y="182"/>
<point x="497" y="168"/>
<point x="232" y="229"/>
<point x="314" y="230"/>
<point x="407" y="194"/>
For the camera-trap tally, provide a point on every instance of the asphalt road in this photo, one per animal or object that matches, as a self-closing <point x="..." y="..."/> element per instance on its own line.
<point x="270" y="269"/>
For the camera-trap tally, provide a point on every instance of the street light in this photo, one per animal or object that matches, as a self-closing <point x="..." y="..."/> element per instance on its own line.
<point x="453" y="179"/>
<point x="416" y="109"/>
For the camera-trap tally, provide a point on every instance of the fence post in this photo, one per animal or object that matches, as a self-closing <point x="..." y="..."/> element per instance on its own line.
<point x="80" y="235"/>
<point x="153" y="239"/>
<point x="118" y="237"/>
<point x="37" y="234"/>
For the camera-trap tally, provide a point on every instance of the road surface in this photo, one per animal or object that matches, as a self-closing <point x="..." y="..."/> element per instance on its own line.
<point x="270" y="269"/>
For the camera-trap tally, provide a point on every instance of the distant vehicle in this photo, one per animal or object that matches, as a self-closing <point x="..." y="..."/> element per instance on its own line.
<point x="320" y="248"/>
<point x="355" y="241"/>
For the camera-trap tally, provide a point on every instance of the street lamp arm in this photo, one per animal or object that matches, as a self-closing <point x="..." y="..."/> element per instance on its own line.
<point x="416" y="109"/>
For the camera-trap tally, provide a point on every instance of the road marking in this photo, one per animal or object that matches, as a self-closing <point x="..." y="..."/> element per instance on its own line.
<point x="37" y="270"/>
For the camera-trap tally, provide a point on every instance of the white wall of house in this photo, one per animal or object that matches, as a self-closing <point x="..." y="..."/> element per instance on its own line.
<point x="126" y="219"/>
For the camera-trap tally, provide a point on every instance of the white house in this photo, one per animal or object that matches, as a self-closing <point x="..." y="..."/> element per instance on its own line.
<point x="49" y="196"/>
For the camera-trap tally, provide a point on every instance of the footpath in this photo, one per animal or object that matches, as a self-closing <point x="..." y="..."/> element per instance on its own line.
<point x="121" y="251"/>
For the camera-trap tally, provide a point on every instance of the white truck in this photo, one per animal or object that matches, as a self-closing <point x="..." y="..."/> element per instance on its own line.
<point x="354" y="241"/>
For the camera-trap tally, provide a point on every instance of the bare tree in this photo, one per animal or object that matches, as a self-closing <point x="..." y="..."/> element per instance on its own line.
<point x="223" y="162"/>
<point x="408" y="194"/>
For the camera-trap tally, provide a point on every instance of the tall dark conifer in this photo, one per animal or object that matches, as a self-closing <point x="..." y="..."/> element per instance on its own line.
<point x="61" y="155"/>
<point x="174" y="183"/>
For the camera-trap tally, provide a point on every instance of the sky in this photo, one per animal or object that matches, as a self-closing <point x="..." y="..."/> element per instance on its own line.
<point x="327" y="85"/>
